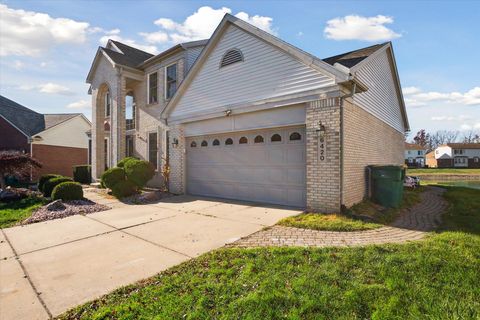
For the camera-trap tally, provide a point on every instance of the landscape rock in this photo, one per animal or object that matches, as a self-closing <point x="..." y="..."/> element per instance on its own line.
<point x="56" y="205"/>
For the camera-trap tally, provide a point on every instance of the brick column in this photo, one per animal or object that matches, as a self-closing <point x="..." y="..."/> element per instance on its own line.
<point x="98" y="134"/>
<point x="323" y="173"/>
<point x="177" y="160"/>
<point x="118" y="120"/>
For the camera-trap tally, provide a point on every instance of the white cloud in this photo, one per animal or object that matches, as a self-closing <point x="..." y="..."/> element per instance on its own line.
<point x="50" y="88"/>
<point x="461" y="117"/>
<point x="465" y="127"/>
<point x="300" y="34"/>
<point x="200" y="25"/>
<point x="82" y="104"/>
<point x="477" y="125"/>
<point x="354" y="27"/>
<point x="416" y="97"/>
<point x="43" y="64"/>
<point x="28" y="33"/>
<point x="18" y="65"/>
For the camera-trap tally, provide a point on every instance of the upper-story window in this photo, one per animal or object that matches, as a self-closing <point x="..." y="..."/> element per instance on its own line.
<point x="230" y="57"/>
<point x="457" y="151"/>
<point x="170" y="80"/>
<point x="130" y="111"/>
<point x="107" y="104"/>
<point x="419" y="153"/>
<point x="153" y="88"/>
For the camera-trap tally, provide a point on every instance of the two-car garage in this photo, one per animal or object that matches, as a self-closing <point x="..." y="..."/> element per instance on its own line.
<point x="259" y="165"/>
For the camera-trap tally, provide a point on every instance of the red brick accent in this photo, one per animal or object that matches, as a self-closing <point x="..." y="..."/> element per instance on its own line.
<point x="59" y="160"/>
<point x="11" y="138"/>
<point x="445" y="163"/>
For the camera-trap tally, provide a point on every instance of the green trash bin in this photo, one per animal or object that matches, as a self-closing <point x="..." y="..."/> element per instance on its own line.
<point x="387" y="185"/>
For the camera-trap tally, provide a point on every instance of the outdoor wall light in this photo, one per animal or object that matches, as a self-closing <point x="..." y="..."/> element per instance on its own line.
<point x="321" y="130"/>
<point x="175" y="142"/>
<point x="228" y="112"/>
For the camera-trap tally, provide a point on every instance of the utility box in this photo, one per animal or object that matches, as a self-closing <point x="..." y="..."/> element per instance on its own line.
<point x="387" y="185"/>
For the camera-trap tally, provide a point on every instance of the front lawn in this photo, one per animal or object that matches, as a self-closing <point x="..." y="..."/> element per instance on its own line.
<point x="436" y="278"/>
<point x="337" y="222"/>
<point x="443" y="171"/>
<point x="13" y="212"/>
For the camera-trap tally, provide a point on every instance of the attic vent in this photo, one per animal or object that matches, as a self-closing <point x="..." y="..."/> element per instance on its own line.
<point x="231" y="56"/>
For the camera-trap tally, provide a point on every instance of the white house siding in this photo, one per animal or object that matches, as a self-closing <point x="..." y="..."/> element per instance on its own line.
<point x="71" y="133"/>
<point x="381" y="99"/>
<point x="284" y="116"/>
<point x="266" y="72"/>
<point x="191" y="56"/>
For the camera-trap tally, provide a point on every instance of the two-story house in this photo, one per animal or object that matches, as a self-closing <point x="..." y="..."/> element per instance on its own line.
<point x="458" y="155"/>
<point x="414" y="155"/>
<point x="245" y="115"/>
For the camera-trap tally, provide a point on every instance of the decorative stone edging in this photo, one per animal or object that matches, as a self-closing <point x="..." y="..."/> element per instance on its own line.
<point x="448" y="177"/>
<point x="412" y="225"/>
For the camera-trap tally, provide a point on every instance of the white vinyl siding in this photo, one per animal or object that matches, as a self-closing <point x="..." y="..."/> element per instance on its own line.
<point x="265" y="73"/>
<point x="191" y="56"/>
<point x="381" y="99"/>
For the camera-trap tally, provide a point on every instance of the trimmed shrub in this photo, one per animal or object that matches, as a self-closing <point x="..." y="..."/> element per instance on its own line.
<point x="82" y="174"/>
<point x="67" y="191"/>
<point x="124" y="189"/>
<point x="139" y="172"/>
<point x="52" y="183"/>
<point x="113" y="176"/>
<point x="45" y="178"/>
<point x="122" y="162"/>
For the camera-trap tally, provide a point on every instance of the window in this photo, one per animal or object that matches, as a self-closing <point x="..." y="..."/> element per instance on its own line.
<point x="458" y="151"/>
<point x="230" y="57"/>
<point x="243" y="140"/>
<point x="152" y="88"/>
<point x="170" y="80"/>
<point x="152" y="149"/>
<point x="204" y="143"/>
<point x="130" y="111"/>
<point x="193" y="144"/>
<point x="276" y="138"/>
<point x="258" y="139"/>
<point x="476" y="159"/>
<point x="294" y="136"/>
<point x="419" y="153"/>
<point x="107" y="104"/>
<point x="216" y="142"/>
<point x="228" y="142"/>
<point x="129" y="145"/>
<point x="105" y="153"/>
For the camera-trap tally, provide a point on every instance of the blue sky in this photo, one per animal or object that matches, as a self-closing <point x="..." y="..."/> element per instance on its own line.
<point x="46" y="47"/>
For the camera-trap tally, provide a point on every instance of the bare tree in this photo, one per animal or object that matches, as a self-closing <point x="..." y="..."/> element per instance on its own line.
<point x="422" y="138"/>
<point x="471" y="136"/>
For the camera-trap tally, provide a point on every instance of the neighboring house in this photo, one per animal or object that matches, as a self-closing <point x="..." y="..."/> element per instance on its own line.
<point x="430" y="160"/>
<point x="458" y="155"/>
<point x="414" y="155"/>
<point x="248" y="116"/>
<point x="58" y="141"/>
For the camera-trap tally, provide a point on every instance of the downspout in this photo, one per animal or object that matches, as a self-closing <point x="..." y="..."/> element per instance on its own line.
<point x="342" y="149"/>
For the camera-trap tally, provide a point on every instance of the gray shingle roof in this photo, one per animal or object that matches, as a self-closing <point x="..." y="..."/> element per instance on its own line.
<point x="28" y="121"/>
<point x="131" y="57"/>
<point x="350" y="59"/>
<point x="57" y="118"/>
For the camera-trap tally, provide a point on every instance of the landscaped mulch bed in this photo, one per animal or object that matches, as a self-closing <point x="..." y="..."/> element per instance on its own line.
<point x="70" y="208"/>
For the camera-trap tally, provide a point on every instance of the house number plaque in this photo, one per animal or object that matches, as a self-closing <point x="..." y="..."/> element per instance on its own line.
<point x="321" y="148"/>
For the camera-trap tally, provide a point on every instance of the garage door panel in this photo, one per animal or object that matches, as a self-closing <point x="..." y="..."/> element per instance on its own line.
<point x="271" y="172"/>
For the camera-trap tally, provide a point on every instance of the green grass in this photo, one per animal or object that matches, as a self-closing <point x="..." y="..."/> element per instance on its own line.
<point x="331" y="222"/>
<point x="443" y="171"/>
<point x="14" y="212"/>
<point x="338" y="222"/>
<point x="436" y="278"/>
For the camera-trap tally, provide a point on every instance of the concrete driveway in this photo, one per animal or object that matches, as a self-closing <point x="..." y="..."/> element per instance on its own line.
<point x="50" y="267"/>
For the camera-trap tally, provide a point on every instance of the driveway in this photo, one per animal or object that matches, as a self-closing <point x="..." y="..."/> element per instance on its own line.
<point x="50" y="267"/>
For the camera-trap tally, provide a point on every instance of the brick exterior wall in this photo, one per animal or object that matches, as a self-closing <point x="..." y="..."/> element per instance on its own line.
<point x="11" y="138"/>
<point x="366" y="141"/>
<point x="323" y="176"/>
<point x="177" y="160"/>
<point x="58" y="160"/>
<point x="445" y="163"/>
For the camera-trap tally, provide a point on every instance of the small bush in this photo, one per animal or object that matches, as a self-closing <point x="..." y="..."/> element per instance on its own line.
<point x="52" y="183"/>
<point x="82" y="174"/>
<point x="123" y="189"/>
<point x="67" y="191"/>
<point x="113" y="176"/>
<point x="139" y="172"/>
<point x="122" y="162"/>
<point x="45" y="178"/>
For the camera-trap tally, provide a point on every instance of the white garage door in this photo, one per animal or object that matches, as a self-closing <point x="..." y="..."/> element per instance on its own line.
<point x="262" y="166"/>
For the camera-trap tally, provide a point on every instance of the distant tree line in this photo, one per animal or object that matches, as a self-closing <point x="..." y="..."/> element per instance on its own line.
<point x="432" y="140"/>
